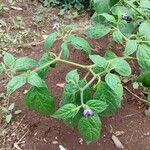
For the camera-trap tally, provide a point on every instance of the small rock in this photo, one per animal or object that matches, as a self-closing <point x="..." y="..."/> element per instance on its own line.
<point x="117" y="142"/>
<point x="80" y="141"/>
<point x="55" y="142"/>
<point x="61" y="147"/>
<point x="147" y="133"/>
<point x="118" y="133"/>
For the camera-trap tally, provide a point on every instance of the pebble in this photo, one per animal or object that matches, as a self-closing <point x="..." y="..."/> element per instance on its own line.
<point x="55" y="142"/>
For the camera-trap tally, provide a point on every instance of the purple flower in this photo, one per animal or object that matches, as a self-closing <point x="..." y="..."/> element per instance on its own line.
<point x="88" y="113"/>
<point x="125" y="16"/>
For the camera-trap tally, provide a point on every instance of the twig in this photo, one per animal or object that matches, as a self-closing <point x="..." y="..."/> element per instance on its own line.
<point x="16" y="143"/>
<point x="141" y="99"/>
<point x="18" y="124"/>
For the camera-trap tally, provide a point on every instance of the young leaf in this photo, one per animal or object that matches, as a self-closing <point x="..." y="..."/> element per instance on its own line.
<point x="80" y="43"/>
<point x="97" y="105"/>
<point x="8" y="118"/>
<point x="97" y="31"/>
<point x="118" y="37"/>
<point x="8" y="59"/>
<point x="24" y="63"/>
<point x="143" y="56"/>
<point x="65" y="50"/>
<point x="106" y="94"/>
<point x="11" y="106"/>
<point x="72" y="76"/>
<point x="121" y="66"/>
<point x="90" y="128"/>
<point x="50" y="41"/>
<point x="108" y="17"/>
<point x="114" y="82"/>
<point x="131" y="47"/>
<point x="144" y="29"/>
<point x="35" y="80"/>
<point x="66" y="111"/>
<point x="98" y="60"/>
<point x="15" y="83"/>
<point x="40" y="100"/>
<point x="110" y="55"/>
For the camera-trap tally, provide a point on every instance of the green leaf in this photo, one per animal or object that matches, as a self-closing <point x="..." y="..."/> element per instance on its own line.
<point x="35" y="80"/>
<point x="8" y="59"/>
<point x="121" y="66"/>
<point x="110" y="55"/>
<point x="143" y="56"/>
<point x="101" y="6"/>
<point x="25" y="63"/>
<point x="73" y="122"/>
<point x="118" y="37"/>
<point x="1" y="69"/>
<point x="144" y="29"/>
<point x="66" y="111"/>
<point x="97" y="105"/>
<point x="8" y="118"/>
<point x="145" y="4"/>
<point x="119" y="10"/>
<point x="144" y="78"/>
<point x="45" y="59"/>
<point x="11" y="106"/>
<point x="50" y="41"/>
<point x="80" y="43"/>
<point x="73" y="77"/>
<point x="98" y="60"/>
<point x="15" y="83"/>
<point x="65" y="50"/>
<point x="40" y="100"/>
<point x="106" y="94"/>
<point x="97" y="31"/>
<point x="109" y="17"/>
<point x="113" y="2"/>
<point x="71" y="93"/>
<point x="114" y="82"/>
<point x="90" y="128"/>
<point x="131" y="47"/>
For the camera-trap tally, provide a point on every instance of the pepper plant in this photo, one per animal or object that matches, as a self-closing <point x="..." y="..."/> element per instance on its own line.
<point x="84" y="102"/>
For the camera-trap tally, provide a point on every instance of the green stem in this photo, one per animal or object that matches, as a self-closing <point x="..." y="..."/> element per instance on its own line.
<point x="45" y="65"/>
<point x="148" y="42"/>
<point x="84" y="88"/>
<point x="75" y="64"/>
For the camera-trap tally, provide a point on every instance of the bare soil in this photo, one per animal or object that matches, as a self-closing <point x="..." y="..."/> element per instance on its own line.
<point x="31" y="131"/>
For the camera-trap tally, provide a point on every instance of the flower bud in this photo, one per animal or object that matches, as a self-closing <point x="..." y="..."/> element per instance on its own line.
<point x="88" y="113"/>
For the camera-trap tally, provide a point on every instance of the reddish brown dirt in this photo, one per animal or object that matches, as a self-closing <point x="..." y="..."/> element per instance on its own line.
<point x="43" y="131"/>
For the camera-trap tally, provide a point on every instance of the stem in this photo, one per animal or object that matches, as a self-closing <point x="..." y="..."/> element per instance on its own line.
<point x="130" y="5"/>
<point x="45" y="65"/>
<point x="84" y="88"/>
<point x="75" y="64"/>
<point x="148" y="42"/>
<point x="130" y="58"/>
